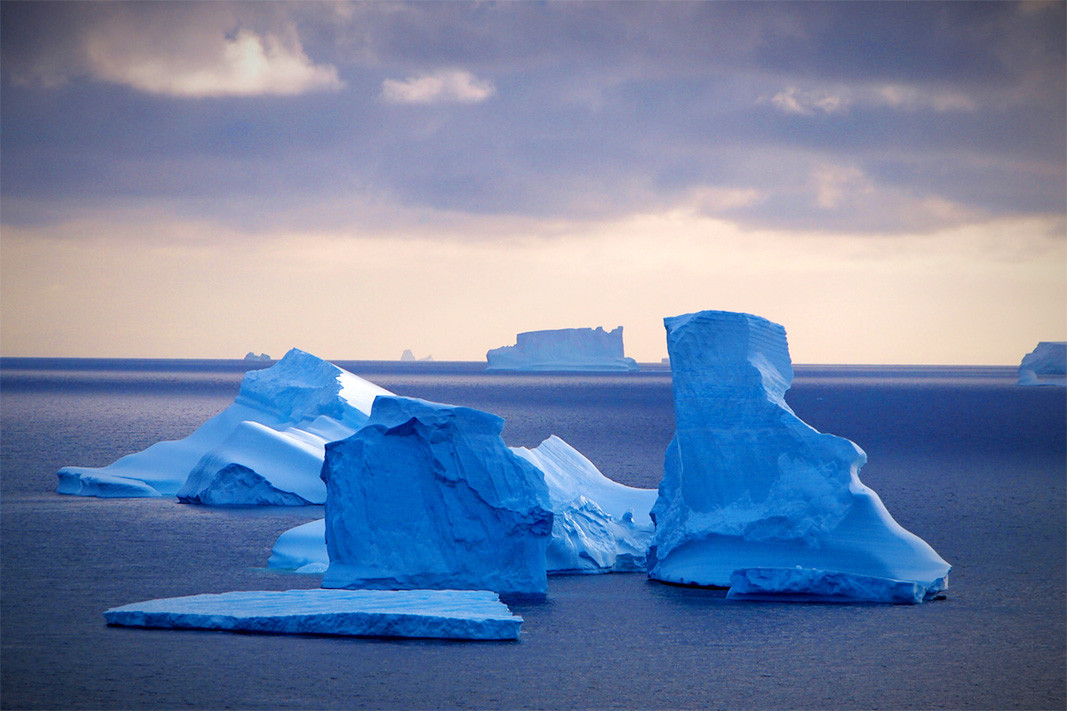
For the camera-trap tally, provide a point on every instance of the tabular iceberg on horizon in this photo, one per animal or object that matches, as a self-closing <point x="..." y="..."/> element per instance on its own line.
<point x="1045" y="365"/>
<point x="264" y="449"/>
<point x="754" y="498"/>
<point x="427" y="495"/>
<point x="584" y="349"/>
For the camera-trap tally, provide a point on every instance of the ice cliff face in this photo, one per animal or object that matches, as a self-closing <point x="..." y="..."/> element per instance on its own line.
<point x="563" y="349"/>
<point x="598" y="526"/>
<point x="429" y="496"/>
<point x="265" y="448"/>
<point x="749" y="486"/>
<point x="1045" y="365"/>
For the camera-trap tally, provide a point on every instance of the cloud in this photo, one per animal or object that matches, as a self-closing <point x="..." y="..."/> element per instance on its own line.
<point x="439" y="87"/>
<point x="897" y="96"/>
<point x="808" y="103"/>
<point x="243" y="65"/>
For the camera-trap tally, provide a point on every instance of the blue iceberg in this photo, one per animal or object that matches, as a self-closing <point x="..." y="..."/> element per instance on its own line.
<point x="747" y="485"/>
<point x="598" y="526"/>
<point x="264" y="449"/>
<point x="440" y="614"/>
<point x="1045" y="365"/>
<point x="429" y="496"/>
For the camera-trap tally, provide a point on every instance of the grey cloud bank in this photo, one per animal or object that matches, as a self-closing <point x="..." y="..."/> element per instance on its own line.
<point x="870" y="117"/>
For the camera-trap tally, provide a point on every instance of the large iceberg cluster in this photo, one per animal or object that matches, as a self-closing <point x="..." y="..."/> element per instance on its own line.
<point x="1045" y="365"/>
<point x="563" y="349"/>
<point x="753" y="497"/>
<point x="428" y="496"/>
<point x="264" y="449"/>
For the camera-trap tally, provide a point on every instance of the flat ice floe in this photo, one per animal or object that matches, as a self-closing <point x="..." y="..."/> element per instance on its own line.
<point x="747" y="485"/>
<point x="441" y="614"/>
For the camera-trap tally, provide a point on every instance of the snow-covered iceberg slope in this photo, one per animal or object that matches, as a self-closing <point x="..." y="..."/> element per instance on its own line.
<point x="598" y="526"/>
<point x="749" y="486"/>
<point x="265" y="448"/>
<point x="428" y="496"/>
<point x="442" y="614"/>
<point x="1045" y="365"/>
<point x="563" y="349"/>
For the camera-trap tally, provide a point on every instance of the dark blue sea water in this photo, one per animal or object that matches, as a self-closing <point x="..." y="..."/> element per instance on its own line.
<point x="961" y="456"/>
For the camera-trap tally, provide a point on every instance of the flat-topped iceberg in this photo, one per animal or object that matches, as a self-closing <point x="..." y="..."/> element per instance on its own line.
<point x="440" y="614"/>
<point x="427" y="495"/>
<point x="1045" y="365"/>
<point x="265" y="448"/>
<point x="563" y="349"/>
<point x="747" y="485"/>
<point x="598" y="526"/>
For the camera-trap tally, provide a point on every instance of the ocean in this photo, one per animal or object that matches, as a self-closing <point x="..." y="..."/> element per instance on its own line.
<point x="963" y="457"/>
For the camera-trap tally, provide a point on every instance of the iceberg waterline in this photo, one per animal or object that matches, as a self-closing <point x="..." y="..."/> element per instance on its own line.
<point x="747" y="485"/>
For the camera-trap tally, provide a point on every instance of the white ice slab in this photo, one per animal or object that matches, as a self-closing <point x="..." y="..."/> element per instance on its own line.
<point x="439" y="614"/>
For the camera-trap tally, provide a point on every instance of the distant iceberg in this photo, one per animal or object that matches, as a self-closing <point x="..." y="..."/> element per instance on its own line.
<point x="599" y="526"/>
<point x="252" y="356"/>
<point x="753" y="498"/>
<point x="563" y="349"/>
<point x="428" y="496"/>
<point x="1045" y="365"/>
<point x="440" y="614"/>
<point x="266" y="448"/>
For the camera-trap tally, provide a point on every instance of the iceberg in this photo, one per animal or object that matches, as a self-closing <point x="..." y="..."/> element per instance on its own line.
<point x="265" y="448"/>
<point x="748" y="486"/>
<point x="1045" y="365"/>
<point x="563" y="349"/>
<point x="598" y="525"/>
<point x="251" y="355"/>
<point x="427" y="495"/>
<point x="439" y="614"/>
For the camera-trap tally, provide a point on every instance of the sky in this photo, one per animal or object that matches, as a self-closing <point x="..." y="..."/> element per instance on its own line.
<point x="199" y="180"/>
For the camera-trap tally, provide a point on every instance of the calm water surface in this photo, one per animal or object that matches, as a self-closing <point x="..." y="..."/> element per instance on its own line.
<point x="961" y="456"/>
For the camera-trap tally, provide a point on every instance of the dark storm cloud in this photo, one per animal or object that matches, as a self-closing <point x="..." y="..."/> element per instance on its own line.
<point x="833" y="115"/>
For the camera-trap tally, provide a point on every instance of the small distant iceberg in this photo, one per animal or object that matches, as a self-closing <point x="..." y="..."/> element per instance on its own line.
<point x="436" y="614"/>
<point x="252" y="356"/>
<point x="264" y="449"/>
<point x="756" y="500"/>
<point x="408" y="357"/>
<point x="1045" y="365"/>
<point x="583" y="349"/>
